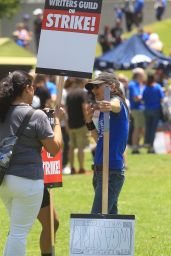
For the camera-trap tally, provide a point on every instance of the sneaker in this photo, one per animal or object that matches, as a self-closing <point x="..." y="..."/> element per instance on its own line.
<point x="135" y="151"/>
<point x="81" y="171"/>
<point x="73" y="170"/>
<point x="92" y="167"/>
<point x="151" y="151"/>
<point x="146" y="145"/>
<point x="66" y="170"/>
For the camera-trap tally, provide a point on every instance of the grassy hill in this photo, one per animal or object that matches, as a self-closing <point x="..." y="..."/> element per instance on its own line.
<point x="12" y="54"/>
<point x="8" y="48"/>
<point x="163" y="30"/>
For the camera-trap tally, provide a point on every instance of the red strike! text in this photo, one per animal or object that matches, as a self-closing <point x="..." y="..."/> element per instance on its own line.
<point x="71" y="22"/>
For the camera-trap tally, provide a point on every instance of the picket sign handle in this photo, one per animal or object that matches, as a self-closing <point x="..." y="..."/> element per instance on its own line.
<point x="105" y="181"/>
<point x="60" y="85"/>
<point x="52" y="222"/>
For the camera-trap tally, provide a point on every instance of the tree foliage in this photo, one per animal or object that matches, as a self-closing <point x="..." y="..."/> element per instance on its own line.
<point x="8" y="7"/>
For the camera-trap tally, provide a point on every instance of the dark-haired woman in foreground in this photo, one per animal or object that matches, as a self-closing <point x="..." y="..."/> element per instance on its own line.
<point x="22" y="188"/>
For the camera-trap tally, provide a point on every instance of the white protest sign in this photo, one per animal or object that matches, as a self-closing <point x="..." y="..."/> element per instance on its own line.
<point x="93" y="235"/>
<point x="68" y="37"/>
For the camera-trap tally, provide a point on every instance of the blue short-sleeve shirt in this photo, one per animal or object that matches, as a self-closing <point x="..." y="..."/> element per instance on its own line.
<point x="135" y="90"/>
<point x="152" y="97"/>
<point x="51" y="87"/>
<point x="118" y="135"/>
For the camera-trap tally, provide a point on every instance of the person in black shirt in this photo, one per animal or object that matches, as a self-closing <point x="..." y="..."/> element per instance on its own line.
<point x="129" y="14"/>
<point x="106" y="39"/>
<point x="117" y="32"/>
<point x="75" y="103"/>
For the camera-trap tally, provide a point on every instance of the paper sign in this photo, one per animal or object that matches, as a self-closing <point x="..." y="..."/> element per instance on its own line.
<point x="162" y="142"/>
<point x="68" y="37"/>
<point x="107" y="235"/>
<point x="52" y="167"/>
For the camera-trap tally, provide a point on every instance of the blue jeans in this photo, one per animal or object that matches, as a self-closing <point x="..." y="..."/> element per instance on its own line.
<point x="116" y="180"/>
<point x="151" y="122"/>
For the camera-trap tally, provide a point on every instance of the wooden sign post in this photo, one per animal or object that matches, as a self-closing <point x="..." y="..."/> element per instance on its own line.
<point x="52" y="222"/>
<point x="59" y="97"/>
<point x="105" y="185"/>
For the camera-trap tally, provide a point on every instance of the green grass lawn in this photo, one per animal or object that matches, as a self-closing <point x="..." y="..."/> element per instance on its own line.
<point x="146" y="193"/>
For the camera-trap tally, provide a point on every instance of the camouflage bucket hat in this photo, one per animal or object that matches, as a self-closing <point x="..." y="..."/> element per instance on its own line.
<point x="104" y="77"/>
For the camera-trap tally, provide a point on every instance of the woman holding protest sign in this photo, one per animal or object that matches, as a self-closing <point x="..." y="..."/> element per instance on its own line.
<point x="118" y="134"/>
<point x="22" y="187"/>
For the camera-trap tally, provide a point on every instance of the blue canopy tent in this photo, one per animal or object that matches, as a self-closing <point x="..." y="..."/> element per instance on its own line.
<point x="130" y="54"/>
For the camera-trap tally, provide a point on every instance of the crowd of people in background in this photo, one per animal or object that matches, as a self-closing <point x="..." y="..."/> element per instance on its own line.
<point x="132" y="13"/>
<point x="147" y="95"/>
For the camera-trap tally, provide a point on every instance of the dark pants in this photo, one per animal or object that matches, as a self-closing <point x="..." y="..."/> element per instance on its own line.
<point x="129" y="21"/>
<point x="65" y="137"/>
<point x="159" y="12"/>
<point x="116" y="180"/>
<point x="151" y="122"/>
<point x="131" y="129"/>
<point x="138" y="18"/>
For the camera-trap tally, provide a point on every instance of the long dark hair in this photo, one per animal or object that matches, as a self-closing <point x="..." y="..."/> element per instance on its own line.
<point x="116" y="91"/>
<point x="12" y="87"/>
